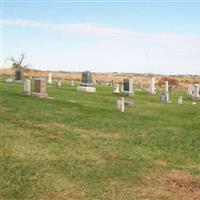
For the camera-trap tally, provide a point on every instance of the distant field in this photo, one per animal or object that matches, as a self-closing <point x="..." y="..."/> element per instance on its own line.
<point x="78" y="146"/>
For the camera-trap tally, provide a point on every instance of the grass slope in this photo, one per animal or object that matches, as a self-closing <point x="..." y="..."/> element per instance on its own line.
<point x="78" y="146"/>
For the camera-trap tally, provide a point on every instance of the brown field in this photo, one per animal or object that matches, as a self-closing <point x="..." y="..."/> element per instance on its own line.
<point x="178" y="81"/>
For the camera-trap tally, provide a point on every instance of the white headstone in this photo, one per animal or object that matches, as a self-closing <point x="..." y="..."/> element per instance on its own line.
<point x="166" y="86"/>
<point x="116" y="88"/>
<point x="190" y="88"/>
<point x="49" y="78"/>
<point x="152" y="86"/>
<point x="180" y="100"/>
<point x="72" y="83"/>
<point x="120" y="104"/>
<point x="9" y="80"/>
<point x="196" y="91"/>
<point x="59" y="83"/>
<point x="27" y="87"/>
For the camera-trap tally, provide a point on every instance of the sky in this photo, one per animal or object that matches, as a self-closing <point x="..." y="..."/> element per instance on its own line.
<point x="161" y="37"/>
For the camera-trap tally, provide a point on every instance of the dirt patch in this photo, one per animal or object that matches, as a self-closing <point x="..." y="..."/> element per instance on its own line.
<point x="161" y="163"/>
<point x="173" y="185"/>
<point x="76" y="191"/>
<point x="4" y="109"/>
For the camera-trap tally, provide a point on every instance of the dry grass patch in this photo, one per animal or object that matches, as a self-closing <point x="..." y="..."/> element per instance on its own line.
<point x="50" y="125"/>
<point x="75" y="191"/>
<point x="172" y="185"/>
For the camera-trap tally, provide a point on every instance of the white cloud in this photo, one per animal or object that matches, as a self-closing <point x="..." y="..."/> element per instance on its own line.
<point x="169" y="52"/>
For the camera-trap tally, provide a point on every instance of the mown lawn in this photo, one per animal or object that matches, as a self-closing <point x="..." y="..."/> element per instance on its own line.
<point x="78" y="146"/>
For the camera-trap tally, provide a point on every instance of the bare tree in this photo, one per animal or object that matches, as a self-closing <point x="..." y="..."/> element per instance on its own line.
<point x="17" y="63"/>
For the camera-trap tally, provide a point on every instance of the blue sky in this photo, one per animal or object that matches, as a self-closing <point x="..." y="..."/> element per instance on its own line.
<point x="152" y="37"/>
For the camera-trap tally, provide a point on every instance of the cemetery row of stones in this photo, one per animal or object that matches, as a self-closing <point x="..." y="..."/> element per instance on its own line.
<point x="88" y="85"/>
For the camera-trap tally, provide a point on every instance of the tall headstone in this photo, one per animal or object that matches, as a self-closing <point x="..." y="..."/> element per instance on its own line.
<point x="49" y="78"/>
<point x="152" y="86"/>
<point x="128" y="87"/>
<point x="27" y="87"/>
<point x="196" y="94"/>
<point x="115" y="88"/>
<point x="166" y="86"/>
<point x="190" y="89"/>
<point x="40" y="87"/>
<point x="87" y="84"/>
<point x="120" y="104"/>
<point x="19" y="74"/>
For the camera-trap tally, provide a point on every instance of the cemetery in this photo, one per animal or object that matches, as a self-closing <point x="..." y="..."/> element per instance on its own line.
<point x="91" y="138"/>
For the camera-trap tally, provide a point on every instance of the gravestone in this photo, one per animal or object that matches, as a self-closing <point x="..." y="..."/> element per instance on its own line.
<point x="166" y="86"/>
<point x="19" y="74"/>
<point x="190" y="89"/>
<point x="196" y="94"/>
<point x="180" y="100"/>
<point x="9" y="80"/>
<point x="59" y="83"/>
<point x="72" y="83"/>
<point x="27" y="87"/>
<point x="152" y="86"/>
<point x="127" y="87"/>
<point x="120" y="104"/>
<point x="115" y="88"/>
<point x="40" y="87"/>
<point x="49" y="78"/>
<point x="87" y="84"/>
<point x="164" y="97"/>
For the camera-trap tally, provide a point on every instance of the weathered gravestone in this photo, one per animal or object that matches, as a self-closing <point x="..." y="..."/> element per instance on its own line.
<point x="59" y="83"/>
<point x="87" y="84"/>
<point x="164" y="97"/>
<point x="190" y="89"/>
<point x="27" y="87"/>
<point x="152" y="86"/>
<point x="40" y="87"/>
<point x="127" y="87"/>
<point x="166" y="86"/>
<point x="196" y="94"/>
<point x="9" y="80"/>
<point x="120" y="104"/>
<point x="72" y="83"/>
<point x="19" y="75"/>
<point x="180" y="100"/>
<point x="115" y="88"/>
<point x="49" y="78"/>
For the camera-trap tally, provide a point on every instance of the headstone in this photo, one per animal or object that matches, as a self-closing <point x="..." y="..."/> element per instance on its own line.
<point x="72" y="83"/>
<point x="115" y="88"/>
<point x="49" y="78"/>
<point x="127" y="87"/>
<point x="190" y="89"/>
<point x="40" y="87"/>
<point x="9" y="80"/>
<point x="120" y="104"/>
<point x="152" y="86"/>
<point x="19" y="74"/>
<point x="166" y="86"/>
<point x="164" y="97"/>
<point x="196" y="94"/>
<point x="59" y="83"/>
<point x="87" y="84"/>
<point x="180" y="100"/>
<point x="27" y="87"/>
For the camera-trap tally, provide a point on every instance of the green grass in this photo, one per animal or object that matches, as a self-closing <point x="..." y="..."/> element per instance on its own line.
<point x="77" y="145"/>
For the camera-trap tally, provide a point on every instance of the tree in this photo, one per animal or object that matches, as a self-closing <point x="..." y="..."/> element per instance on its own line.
<point x="17" y="63"/>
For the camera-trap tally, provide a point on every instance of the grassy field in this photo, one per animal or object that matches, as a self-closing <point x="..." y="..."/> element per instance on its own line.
<point x="78" y="146"/>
